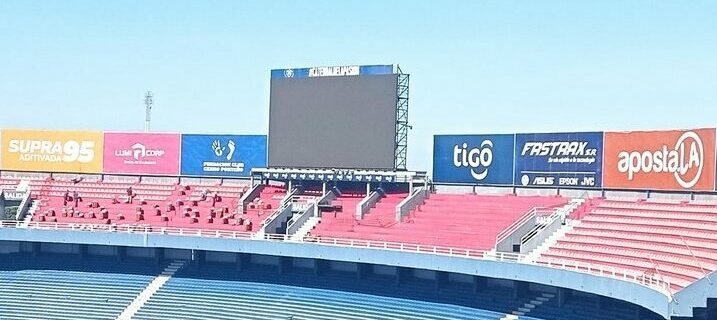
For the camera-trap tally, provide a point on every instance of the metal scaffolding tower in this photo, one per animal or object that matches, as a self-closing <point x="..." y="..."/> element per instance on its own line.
<point x="402" y="125"/>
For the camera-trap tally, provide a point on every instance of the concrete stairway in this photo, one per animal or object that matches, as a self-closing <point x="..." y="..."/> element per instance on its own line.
<point x="305" y="229"/>
<point x="30" y="212"/>
<point x="151" y="289"/>
<point x="552" y="240"/>
<point x="527" y="307"/>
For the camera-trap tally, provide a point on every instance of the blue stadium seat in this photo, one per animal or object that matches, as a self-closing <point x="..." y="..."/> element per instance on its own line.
<point x="61" y="288"/>
<point x="66" y="287"/>
<point x="195" y="293"/>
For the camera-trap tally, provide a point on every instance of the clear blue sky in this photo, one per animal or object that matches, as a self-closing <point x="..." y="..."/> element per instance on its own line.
<point x="476" y="67"/>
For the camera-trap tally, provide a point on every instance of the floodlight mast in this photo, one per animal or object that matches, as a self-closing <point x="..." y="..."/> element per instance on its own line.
<point x="148" y="103"/>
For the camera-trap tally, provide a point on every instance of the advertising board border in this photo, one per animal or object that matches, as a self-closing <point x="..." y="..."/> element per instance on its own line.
<point x="152" y="174"/>
<point x="245" y="176"/>
<point x="96" y="136"/>
<point x="602" y="187"/>
<point x="508" y="181"/>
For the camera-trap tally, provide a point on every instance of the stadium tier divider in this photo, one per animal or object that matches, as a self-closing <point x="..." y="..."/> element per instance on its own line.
<point x="367" y="203"/>
<point x="411" y="202"/>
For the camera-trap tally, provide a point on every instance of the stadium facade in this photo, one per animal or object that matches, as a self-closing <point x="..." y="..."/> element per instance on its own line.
<point x="570" y="225"/>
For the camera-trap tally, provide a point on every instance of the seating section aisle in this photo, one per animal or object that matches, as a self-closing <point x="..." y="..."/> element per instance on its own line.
<point x="344" y="217"/>
<point x="211" y="207"/>
<point x="462" y="221"/>
<point x="384" y="213"/>
<point x="50" y="287"/>
<point x="673" y="241"/>
<point x="219" y="292"/>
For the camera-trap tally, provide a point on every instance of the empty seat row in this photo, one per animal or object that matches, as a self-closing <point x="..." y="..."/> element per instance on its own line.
<point x="40" y="288"/>
<point x="673" y="242"/>
<point x="448" y="220"/>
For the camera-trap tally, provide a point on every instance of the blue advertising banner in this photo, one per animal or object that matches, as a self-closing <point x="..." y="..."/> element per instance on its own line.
<point x="332" y="71"/>
<point x="222" y="155"/>
<point x="476" y="159"/>
<point x="571" y="159"/>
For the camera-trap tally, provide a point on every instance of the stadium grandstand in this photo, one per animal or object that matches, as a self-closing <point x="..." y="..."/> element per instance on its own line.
<point x="296" y="225"/>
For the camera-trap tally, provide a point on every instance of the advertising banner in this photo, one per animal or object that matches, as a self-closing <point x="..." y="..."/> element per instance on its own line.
<point x="333" y="71"/>
<point x="51" y="151"/>
<point x="571" y="159"/>
<point x="222" y="155"/>
<point x="665" y="160"/>
<point x="475" y="159"/>
<point x="142" y="153"/>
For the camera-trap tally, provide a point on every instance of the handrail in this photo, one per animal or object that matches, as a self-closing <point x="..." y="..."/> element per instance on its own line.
<point x="610" y="272"/>
<point x="699" y="264"/>
<point x="24" y="205"/>
<point x="657" y="269"/>
<point x="540" y="227"/>
<point x="285" y="202"/>
<point x="304" y="216"/>
<point x="641" y="278"/>
<point x="584" y="195"/>
<point x="289" y="195"/>
<point x="550" y="213"/>
<point x="275" y="215"/>
<point x="143" y="229"/>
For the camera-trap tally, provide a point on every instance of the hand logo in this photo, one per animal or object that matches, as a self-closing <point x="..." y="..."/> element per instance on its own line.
<point x="217" y="147"/>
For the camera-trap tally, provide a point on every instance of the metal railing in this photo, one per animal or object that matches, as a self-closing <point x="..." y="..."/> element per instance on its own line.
<point x="23" y="207"/>
<point x="641" y="278"/>
<point x="544" y="213"/>
<point x="546" y="223"/>
<point x="304" y="216"/>
<point x="657" y="283"/>
<point x="527" y="216"/>
<point x="659" y="274"/>
<point x="536" y="236"/>
<point x="282" y="211"/>
<point x="138" y="229"/>
<point x="697" y="261"/>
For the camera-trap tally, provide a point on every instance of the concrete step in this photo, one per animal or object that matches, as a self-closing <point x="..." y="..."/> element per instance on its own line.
<point x="306" y="228"/>
<point x="150" y="290"/>
<point x="528" y="307"/>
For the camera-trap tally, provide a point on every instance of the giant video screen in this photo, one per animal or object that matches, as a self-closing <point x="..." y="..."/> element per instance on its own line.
<point x="333" y="122"/>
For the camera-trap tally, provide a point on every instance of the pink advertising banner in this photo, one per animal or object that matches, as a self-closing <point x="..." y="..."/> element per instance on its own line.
<point x="145" y="153"/>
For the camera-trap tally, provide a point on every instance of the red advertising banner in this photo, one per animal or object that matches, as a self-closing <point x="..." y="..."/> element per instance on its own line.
<point x="663" y="160"/>
<point x="145" y="153"/>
